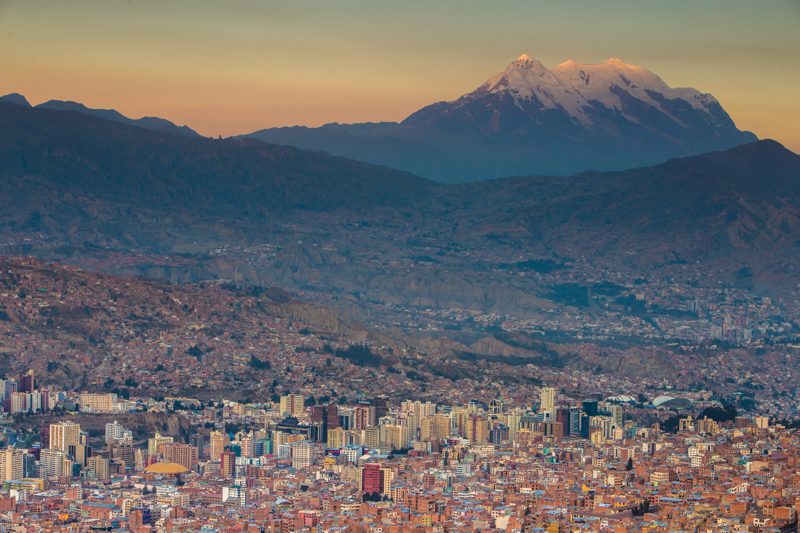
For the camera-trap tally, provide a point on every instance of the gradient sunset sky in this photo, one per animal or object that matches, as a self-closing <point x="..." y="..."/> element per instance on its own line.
<point x="227" y="67"/>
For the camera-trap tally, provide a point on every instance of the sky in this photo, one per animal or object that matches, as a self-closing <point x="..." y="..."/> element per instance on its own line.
<point x="235" y="66"/>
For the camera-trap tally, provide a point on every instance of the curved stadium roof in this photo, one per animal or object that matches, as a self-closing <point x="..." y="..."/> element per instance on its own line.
<point x="166" y="468"/>
<point x="669" y="401"/>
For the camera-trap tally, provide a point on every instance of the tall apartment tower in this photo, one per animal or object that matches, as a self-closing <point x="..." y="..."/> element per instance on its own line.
<point x="27" y="382"/>
<point x="547" y="401"/>
<point x="292" y="405"/>
<point x="217" y="442"/>
<point x="228" y="466"/>
<point x="64" y="434"/>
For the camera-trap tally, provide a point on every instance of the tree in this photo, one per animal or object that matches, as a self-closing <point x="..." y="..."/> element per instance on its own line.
<point x="196" y="352"/>
<point x="629" y="464"/>
<point x="643" y="508"/>
<point x="726" y="413"/>
<point x="258" y="364"/>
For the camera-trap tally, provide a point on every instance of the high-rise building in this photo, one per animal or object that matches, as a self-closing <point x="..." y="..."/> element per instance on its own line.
<point x="435" y="427"/>
<point x="183" y="454"/>
<point x="328" y="416"/>
<point x="371" y="478"/>
<point x="292" y="405"/>
<point x="217" y="442"/>
<point x="393" y="437"/>
<point x="19" y="402"/>
<point x="496" y="407"/>
<point x="64" y="434"/>
<point x="590" y="407"/>
<point x="363" y="416"/>
<point x="617" y="415"/>
<point x="388" y="479"/>
<point x="302" y="454"/>
<point x="198" y="440"/>
<point x="547" y="401"/>
<point x="499" y="434"/>
<point x="336" y="438"/>
<point x="477" y="429"/>
<point x="51" y="463"/>
<point x="114" y="432"/>
<point x="79" y="453"/>
<point x="99" y="466"/>
<point x="574" y="421"/>
<point x="12" y="464"/>
<point x="44" y="400"/>
<point x="7" y="386"/>
<point x="154" y="442"/>
<point x="124" y="454"/>
<point x="248" y="447"/>
<point x="420" y="409"/>
<point x="381" y="406"/>
<point x="27" y="382"/>
<point x="228" y="463"/>
<point x="97" y="403"/>
<point x="371" y="437"/>
<point x="563" y="418"/>
<point x="138" y="460"/>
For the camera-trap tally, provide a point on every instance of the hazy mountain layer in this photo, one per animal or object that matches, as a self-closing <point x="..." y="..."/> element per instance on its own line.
<point x="529" y="119"/>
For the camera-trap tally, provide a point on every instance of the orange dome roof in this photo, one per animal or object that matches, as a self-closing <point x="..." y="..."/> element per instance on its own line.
<point x="166" y="468"/>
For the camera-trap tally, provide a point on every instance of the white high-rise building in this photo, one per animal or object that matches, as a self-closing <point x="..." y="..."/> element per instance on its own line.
<point x="114" y="432"/>
<point x="51" y="463"/>
<point x="11" y="464"/>
<point x="64" y="434"/>
<point x="547" y="402"/>
<point x="302" y="454"/>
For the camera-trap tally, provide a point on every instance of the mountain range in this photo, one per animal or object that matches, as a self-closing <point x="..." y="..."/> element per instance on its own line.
<point x="461" y="280"/>
<point x="81" y="153"/>
<point x="525" y="120"/>
<point x="238" y="208"/>
<point x="529" y="119"/>
<point x="148" y="123"/>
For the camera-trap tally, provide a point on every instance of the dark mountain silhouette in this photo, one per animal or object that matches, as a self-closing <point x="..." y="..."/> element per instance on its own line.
<point x="83" y="155"/>
<point x="15" y="98"/>
<point x="721" y="203"/>
<point x="148" y="123"/>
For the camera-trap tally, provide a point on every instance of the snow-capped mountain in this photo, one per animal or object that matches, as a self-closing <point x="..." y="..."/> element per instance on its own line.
<point x="575" y="87"/>
<point x="530" y="119"/>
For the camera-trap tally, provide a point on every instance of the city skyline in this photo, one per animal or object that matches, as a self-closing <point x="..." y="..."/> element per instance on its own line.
<point x="407" y="267"/>
<point x="232" y="69"/>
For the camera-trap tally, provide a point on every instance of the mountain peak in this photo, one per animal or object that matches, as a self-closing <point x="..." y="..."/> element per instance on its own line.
<point x="15" y="98"/>
<point x="617" y="62"/>
<point x="525" y="62"/>
<point x="576" y="88"/>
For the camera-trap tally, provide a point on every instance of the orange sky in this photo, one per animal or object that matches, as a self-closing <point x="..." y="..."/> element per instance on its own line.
<point x="232" y="67"/>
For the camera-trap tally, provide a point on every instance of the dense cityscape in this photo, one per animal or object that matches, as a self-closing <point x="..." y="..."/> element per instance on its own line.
<point x="296" y="464"/>
<point x="399" y="267"/>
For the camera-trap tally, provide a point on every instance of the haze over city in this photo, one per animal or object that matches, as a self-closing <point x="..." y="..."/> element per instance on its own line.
<point x="401" y="267"/>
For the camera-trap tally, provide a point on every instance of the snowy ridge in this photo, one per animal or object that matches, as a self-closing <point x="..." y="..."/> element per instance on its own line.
<point x="573" y="86"/>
